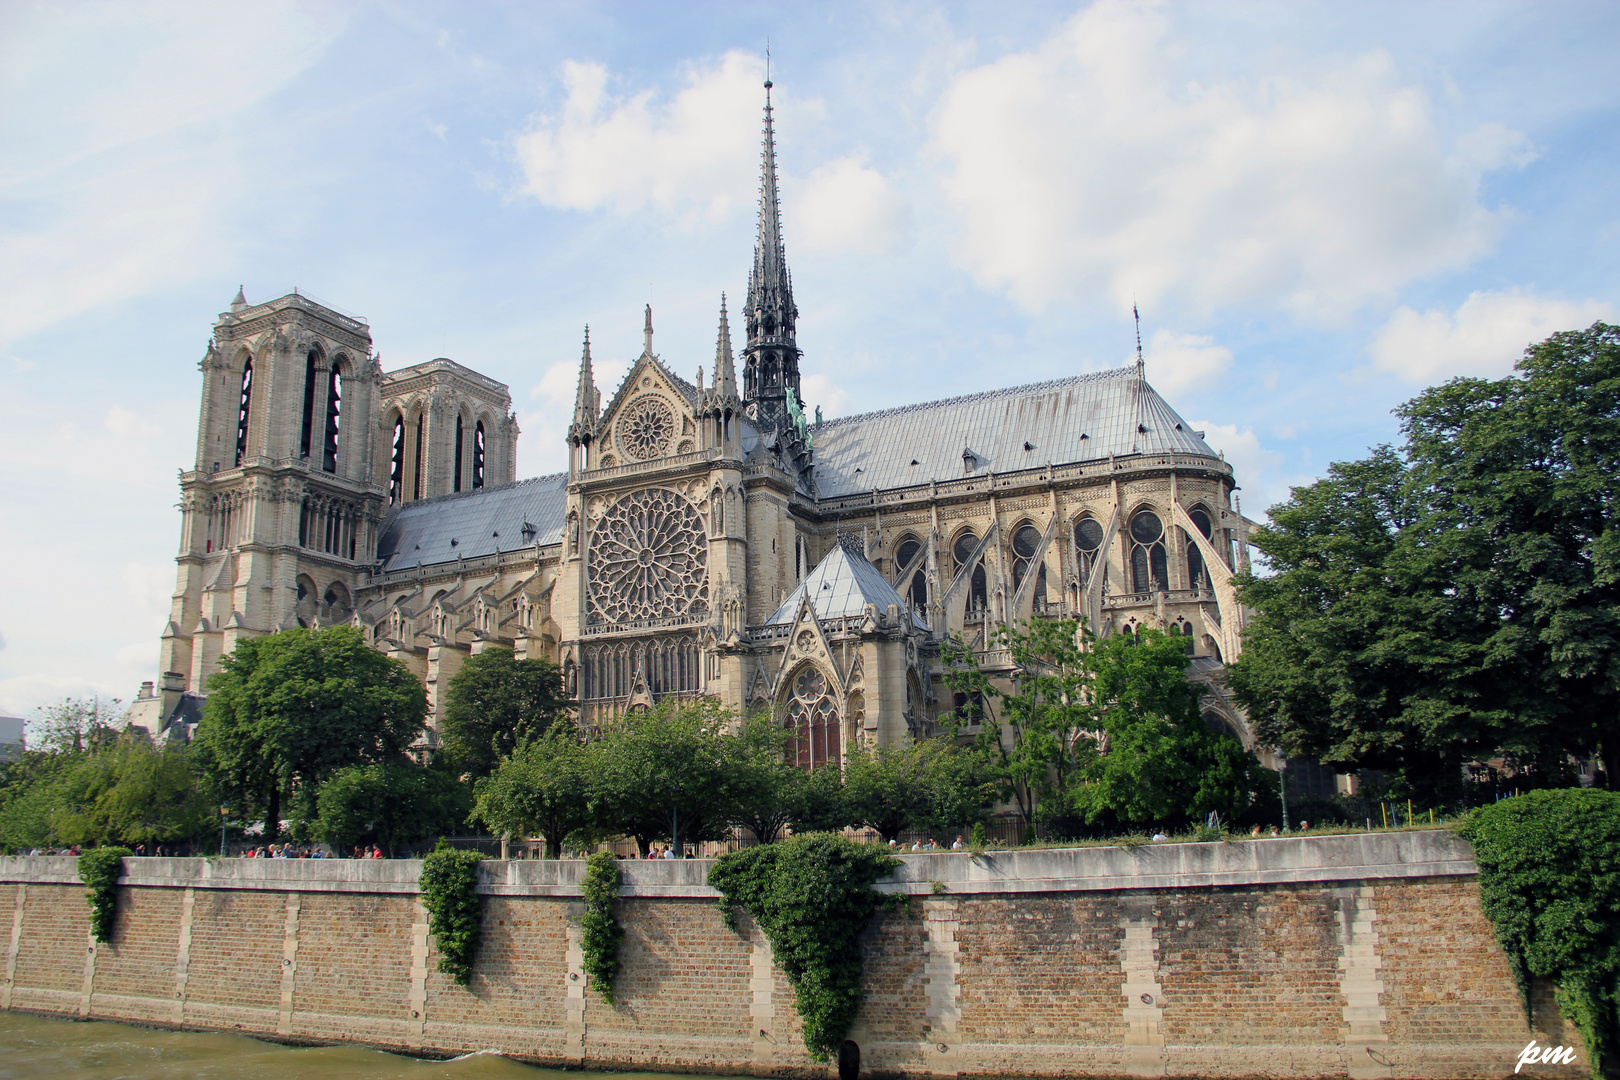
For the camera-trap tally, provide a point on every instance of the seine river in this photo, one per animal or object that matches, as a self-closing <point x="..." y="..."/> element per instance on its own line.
<point x="32" y="1048"/>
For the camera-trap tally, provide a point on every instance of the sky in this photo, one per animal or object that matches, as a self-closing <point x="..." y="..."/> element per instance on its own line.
<point x="1320" y="209"/>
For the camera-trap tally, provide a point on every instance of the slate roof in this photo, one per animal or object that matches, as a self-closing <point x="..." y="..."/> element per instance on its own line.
<point x="1082" y="418"/>
<point x="840" y="587"/>
<point x="421" y="531"/>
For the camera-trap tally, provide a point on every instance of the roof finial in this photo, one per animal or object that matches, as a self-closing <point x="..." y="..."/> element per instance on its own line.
<point x="241" y="299"/>
<point x="586" y="399"/>
<point x="767" y="64"/>
<point x="646" y="333"/>
<point x="725" y="373"/>
<point x="1141" y="366"/>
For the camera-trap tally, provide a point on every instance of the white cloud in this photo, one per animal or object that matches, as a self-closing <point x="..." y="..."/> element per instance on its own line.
<point x="120" y="421"/>
<point x="821" y="392"/>
<point x="1091" y="164"/>
<point x="694" y="153"/>
<point x="1486" y="335"/>
<point x="545" y="429"/>
<point x="1177" y="362"/>
<point x="1255" y="468"/>
<point x="848" y="206"/>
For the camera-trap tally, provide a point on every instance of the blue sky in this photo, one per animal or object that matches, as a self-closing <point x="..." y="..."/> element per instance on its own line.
<point x="1320" y="208"/>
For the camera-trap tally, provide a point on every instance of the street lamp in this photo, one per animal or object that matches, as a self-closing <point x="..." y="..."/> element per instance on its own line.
<point x="1282" y="784"/>
<point x="222" y="831"/>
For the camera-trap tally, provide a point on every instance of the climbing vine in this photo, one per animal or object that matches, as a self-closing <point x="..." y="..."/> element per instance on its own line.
<point x="811" y="895"/>
<point x="601" y="932"/>
<point x="1549" y="874"/>
<point x="99" y="869"/>
<point x="449" y="877"/>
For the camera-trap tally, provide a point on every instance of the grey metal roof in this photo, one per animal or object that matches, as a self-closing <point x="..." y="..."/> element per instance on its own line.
<point x="840" y="587"/>
<point x="421" y="531"/>
<point x="1082" y="418"/>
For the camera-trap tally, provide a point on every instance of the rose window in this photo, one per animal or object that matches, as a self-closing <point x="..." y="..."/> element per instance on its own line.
<point x="813" y="718"/>
<point x="646" y="428"/>
<point x="648" y="561"/>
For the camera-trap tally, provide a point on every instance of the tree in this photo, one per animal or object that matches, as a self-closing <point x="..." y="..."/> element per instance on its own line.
<point x="929" y="784"/>
<point x="1151" y="758"/>
<point x="392" y="805"/>
<point x="1459" y="598"/>
<point x="545" y="788"/>
<point x="294" y="707"/>
<point x="666" y="762"/>
<point x="73" y="725"/>
<point x="494" y="703"/>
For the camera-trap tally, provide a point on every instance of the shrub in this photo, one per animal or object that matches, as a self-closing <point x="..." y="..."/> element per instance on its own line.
<point x="99" y="869"/>
<point x="601" y="931"/>
<point x="449" y="878"/>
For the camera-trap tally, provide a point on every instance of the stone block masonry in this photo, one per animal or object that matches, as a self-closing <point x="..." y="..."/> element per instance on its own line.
<point x="1359" y="956"/>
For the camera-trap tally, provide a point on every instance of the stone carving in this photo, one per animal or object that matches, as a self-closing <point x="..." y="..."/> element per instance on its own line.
<point x="648" y="561"/>
<point x="646" y="428"/>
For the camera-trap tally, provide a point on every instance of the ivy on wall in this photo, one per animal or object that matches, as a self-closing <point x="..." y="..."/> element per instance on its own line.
<point x="449" y="878"/>
<point x="1549" y="875"/>
<point x="811" y="896"/>
<point x="99" y="868"/>
<point x="601" y="932"/>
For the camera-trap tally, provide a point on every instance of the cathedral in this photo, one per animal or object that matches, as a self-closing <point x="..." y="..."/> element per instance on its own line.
<point x="711" y="538"/>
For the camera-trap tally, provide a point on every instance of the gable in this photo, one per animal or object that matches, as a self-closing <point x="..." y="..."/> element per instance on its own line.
<point x="650" y="417"/>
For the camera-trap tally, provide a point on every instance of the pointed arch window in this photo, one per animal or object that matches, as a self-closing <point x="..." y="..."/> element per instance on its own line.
<point x="915" y="588"/>
<point x="478" y="456"/>
<point x="312" y="380"/>
<point x="812" y="716"/>
<point x="1148" y="565"/>
<point x="334" y="406"/>
<point x="416" y="460"/>
<point x="1088" y="542"/>
<point x="396" y="463"/>
<point x="456" y="484"/>
<point x="243" y="407"/>
<point x="1197" y="577"/>
<point x="1026" y="543"/>
<point x="978" y="584"/>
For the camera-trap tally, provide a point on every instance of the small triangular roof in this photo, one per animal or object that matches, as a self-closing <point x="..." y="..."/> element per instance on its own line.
<point x="841" y="586"/>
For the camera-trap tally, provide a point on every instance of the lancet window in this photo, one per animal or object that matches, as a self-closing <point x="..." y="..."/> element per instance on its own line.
<point x="243" y="407"/>
<point x="664" y="666"/>
<point x="1148" y="564"/>
<point x="478" y="456"/>
<point x="1197" y="577"/>
<point x="1088" y="542"/>
<point x="978" y="585"/>
<point x="334" y="406"/>
<point x="328" y="525"/>
<point x="417" y="479"/>
<point x="396" y="463"/>
<point x="812" y="717"/>
<point x="460" y="433"/>
<point x="915" y="587"/>
<point x="306" y="436"/>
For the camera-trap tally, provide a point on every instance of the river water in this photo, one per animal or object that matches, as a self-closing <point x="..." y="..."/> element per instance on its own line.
<point x="33" y="1048"/>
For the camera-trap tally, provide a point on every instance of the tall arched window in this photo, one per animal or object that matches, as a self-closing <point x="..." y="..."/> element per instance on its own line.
<point x="416" y="461"/>
<point x="396" y="463"/>
<point x="306" y="436"/>
<point x="242" y="409"/>
<point x="1196" y="577"/>
<point x="456" y="485"/>
<point x="914" y="588"/>
<point x="1088" y="542"/>
<point x="478" y="456"/>
<point x="812" y="716"/>
<point x="1148" y="564"/>
<point x="961" y="553"/>
<point x="1026" y="542"/>
<point x="334" y="405"/>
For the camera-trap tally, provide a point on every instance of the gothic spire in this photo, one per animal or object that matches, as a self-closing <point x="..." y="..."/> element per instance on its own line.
<point x="725" y="373"/>
<point x="646" y="333"/>
<point x="771" y="356"/>
<point x="586" y="398"/>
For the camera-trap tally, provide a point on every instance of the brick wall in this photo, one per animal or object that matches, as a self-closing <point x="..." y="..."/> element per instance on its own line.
<point x="1300" y="959"/>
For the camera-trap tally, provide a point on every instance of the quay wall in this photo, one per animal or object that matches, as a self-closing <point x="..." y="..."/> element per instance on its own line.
<point x="1362" y="955"/>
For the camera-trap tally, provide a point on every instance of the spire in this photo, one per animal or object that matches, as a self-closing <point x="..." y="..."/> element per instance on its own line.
<point x="1141" y="367"/>
<point x="585" y="398"/>
<point x="725" y="374"/>
<point x="771" y="355"/>
<point x="241" y="300"/>
<point x="646" y="333"/>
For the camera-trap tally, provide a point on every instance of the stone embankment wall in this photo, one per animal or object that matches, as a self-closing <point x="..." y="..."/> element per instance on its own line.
<point x="1361" y="955"/>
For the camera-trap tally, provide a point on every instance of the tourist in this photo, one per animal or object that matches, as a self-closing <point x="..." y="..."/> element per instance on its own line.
<point x="1159" y="837"/>
<point x="956" y="845"/>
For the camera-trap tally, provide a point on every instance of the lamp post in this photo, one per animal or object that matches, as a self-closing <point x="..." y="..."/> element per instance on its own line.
<point x="675" y="822"/>
<point x="222" y="831"/>
<point x="1282" y="784"/>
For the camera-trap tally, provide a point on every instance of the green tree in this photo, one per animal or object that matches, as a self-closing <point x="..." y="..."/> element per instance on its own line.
<point x="29" y="798"/>
<point x="545" y="788"/>
<point x="392" y="806"/>
<point x="931" y="784"/>
<point x="1150" y="757"/>
<point x="73" y="725"/>
<point x="294" y="707"/>
<point x="1459" y="598"/>
<point x="667" y="761"/>
<point x="494" y="703"/>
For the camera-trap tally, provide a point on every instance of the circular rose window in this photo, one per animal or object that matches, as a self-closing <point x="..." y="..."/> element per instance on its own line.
<point x="646" y="428"/>
<point x="648" y="561"/>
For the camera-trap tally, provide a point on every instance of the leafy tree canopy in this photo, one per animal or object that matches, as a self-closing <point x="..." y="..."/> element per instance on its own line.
<point x="668" y="761"/>
<point x="298" y="705"/>
<point x="545" y="788"/>
<point x="392" y="806"/>
<point x="930" y="784"/>
<point x="494" y="703"/>
<point x="1457" y="598"/>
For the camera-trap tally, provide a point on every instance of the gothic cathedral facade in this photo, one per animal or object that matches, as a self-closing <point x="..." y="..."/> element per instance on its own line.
<point x="709" y="539"/>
